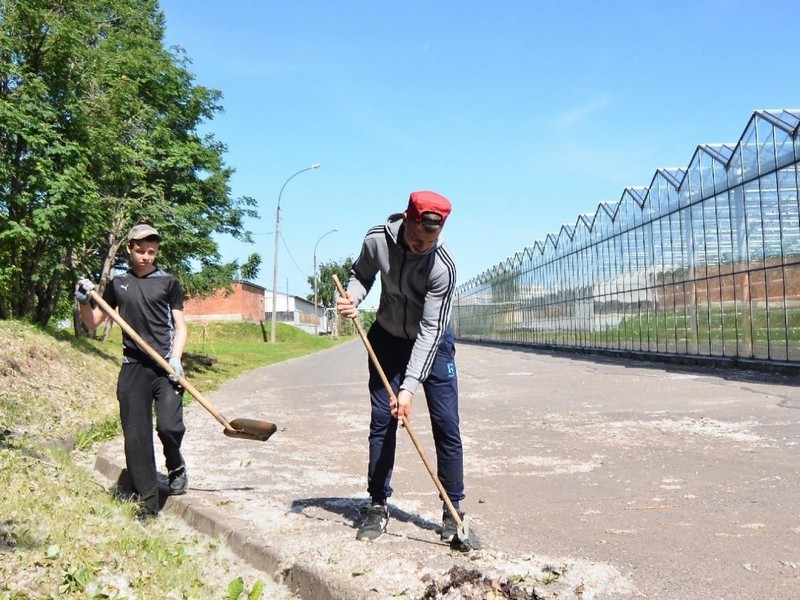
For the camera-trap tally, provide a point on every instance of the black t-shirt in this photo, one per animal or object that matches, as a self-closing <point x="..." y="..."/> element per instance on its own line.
<point x="146" y="304"/>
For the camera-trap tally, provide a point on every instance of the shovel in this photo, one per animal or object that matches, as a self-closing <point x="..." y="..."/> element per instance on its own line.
<point x="246" y="429"/>
<point x="462" y="540"/>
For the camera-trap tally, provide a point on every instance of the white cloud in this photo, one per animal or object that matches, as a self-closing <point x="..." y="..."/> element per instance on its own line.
<point x="575" y="116"/>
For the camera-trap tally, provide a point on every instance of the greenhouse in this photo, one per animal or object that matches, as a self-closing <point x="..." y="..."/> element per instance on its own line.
<point x="702" y="262"/>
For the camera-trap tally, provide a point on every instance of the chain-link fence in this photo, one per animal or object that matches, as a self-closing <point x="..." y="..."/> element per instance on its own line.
<point x="705" y="261"/>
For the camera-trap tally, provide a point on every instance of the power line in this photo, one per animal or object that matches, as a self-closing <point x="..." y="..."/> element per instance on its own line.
<point x="289" y="252"/>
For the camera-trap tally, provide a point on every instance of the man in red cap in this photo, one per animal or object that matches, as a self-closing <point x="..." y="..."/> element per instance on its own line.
<point x="414" y="345"/>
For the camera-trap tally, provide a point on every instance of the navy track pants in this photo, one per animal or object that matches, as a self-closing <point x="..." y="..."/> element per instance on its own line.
<point x="441" y="393"/>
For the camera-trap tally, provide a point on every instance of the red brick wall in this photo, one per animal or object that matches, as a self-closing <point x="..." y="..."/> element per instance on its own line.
<point x="244" y="303"/>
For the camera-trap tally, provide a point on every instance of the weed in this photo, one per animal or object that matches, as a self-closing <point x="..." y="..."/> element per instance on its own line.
<point x="74" y="579"/>
<point x="98" y="432"/>
<point x="236" y="589"/>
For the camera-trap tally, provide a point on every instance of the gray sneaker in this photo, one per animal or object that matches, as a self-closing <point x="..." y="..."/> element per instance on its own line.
<point x="449" y="527"/>
<point x="374" y="524"/>
<point x="178" y="481"/>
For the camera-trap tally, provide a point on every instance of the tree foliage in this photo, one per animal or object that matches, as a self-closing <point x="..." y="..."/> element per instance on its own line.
<point x="326" y="290"/>
<point x="99" y="130"/>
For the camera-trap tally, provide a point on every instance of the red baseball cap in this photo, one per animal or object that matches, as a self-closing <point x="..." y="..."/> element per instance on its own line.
<point x="420" y="203"/>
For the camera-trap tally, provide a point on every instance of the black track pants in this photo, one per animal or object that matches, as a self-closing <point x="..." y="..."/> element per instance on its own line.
<point x="141" y="384"/>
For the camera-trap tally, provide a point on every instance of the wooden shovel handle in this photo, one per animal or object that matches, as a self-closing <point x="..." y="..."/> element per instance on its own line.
<point x="406" y="424"/>
<point x="160" y="360"/>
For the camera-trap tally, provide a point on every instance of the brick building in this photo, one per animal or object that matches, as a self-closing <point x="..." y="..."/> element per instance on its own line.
<point x="243" y="302"/>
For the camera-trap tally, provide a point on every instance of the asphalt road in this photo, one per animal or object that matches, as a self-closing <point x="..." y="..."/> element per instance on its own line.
<point x="586" y="478"/>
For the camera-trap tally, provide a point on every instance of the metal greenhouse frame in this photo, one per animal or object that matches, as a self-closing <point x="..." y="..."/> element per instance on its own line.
<point x="703" y="262"/>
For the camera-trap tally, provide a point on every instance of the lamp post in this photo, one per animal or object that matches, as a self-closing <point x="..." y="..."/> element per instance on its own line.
<point x="316" y="310"/>
<point x="277" y="241"/>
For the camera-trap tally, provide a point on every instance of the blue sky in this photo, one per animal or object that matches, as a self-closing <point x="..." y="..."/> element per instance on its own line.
<point x="524" y="114"/>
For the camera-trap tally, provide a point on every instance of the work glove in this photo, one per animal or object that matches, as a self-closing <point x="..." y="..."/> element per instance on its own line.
<point x="82" y="291"/>
<point x="176" y="365"/>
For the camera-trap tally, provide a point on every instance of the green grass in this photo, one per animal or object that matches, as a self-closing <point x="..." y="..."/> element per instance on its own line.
<point x="63" y="535"/>
<point x="233" y="348"/>
<point x="217" y="352"/>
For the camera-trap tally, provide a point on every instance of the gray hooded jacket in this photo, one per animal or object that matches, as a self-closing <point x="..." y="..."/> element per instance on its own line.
<point x="416" y="292"/>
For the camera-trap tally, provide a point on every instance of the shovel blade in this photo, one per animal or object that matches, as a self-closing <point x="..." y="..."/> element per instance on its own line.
<point x="251" y="429"/>
<point x="465" y="540"/>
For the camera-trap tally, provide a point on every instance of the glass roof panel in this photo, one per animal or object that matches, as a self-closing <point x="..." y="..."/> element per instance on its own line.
<point x="786" y="119"/>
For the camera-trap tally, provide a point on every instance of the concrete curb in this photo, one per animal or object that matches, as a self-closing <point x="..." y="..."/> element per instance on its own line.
<point x="305" y="580"/>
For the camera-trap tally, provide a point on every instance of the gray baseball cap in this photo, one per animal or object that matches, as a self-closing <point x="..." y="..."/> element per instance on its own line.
<point x="142" y="231"/>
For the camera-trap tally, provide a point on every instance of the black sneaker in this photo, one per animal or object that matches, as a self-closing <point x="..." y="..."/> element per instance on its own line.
<point x="178" y="481"/>
<point x="449" y="526"/>
<point x="374" y="524"/>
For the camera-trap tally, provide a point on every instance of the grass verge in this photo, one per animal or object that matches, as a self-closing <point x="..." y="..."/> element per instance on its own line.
<point x="63" y="535"/>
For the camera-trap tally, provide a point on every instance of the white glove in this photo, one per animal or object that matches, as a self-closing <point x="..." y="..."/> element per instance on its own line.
<point x="82" y="290"/>
<point x="176" y="365"/>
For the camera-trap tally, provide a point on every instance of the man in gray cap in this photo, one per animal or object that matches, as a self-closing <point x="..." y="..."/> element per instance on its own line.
<point x="151" y="302"/>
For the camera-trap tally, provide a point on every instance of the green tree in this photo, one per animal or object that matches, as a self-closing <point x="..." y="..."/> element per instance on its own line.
<point x="326" y="290"/>
<point x="99" y="129"/>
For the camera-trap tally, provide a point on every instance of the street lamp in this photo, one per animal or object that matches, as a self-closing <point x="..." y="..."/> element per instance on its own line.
<point x="316" y="310"/>
<point x="277" y="241"/>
